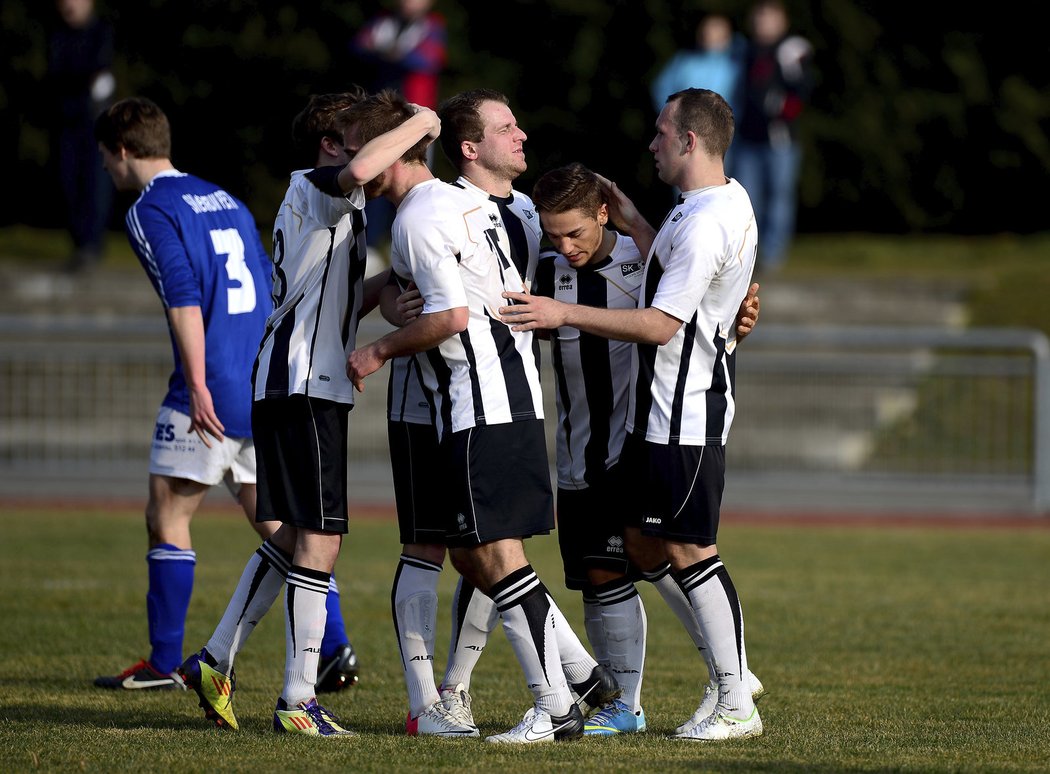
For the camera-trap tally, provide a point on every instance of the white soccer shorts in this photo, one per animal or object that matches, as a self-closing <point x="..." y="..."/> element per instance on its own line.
<point x="178" y="453"/>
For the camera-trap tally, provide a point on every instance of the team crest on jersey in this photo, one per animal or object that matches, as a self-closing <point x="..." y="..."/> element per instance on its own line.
<point x="678" y="217"/>
<point x="630" y="268"/>
<point x="528" y="214"/>
<point x="565" y="282"/>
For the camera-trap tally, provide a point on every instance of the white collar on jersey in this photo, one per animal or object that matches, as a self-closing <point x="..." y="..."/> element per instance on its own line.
<point x="689" y="194"/>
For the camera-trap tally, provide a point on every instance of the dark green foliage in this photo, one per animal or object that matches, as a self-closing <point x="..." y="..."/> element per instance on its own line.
<point x="919" y="122"/>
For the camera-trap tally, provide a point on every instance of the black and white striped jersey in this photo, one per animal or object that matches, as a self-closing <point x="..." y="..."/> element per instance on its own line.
<point x="319" y="257"/>
<point x="591" y="373"/>
<point x="698" y="271"/>
<point x="444" y="241"/>
<point x="516" y="226"/>
<point x="518" y="236"/>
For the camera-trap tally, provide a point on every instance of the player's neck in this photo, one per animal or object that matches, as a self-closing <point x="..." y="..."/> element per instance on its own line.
<point x="405" y="178"/>
<point x="144" y="170"/>
<point x="703" y="176"/>
<point x="606" y="246"/>
<point x="492" y="184"/>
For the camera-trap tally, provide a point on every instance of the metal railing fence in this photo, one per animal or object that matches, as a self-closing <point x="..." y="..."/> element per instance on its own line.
<point x="885" y="408"/>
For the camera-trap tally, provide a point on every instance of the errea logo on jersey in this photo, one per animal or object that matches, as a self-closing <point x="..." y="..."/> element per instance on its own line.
<point x="628" y="269"/>
<point x="565" y="282"/>
<point x="615" y="545"/>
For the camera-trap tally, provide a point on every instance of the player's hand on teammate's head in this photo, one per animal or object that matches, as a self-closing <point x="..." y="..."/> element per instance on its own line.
<point x="435" y="128"/>
<point x="622" y="210"/>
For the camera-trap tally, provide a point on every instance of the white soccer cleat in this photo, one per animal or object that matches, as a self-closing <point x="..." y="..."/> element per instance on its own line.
<point x="709" y="703"/>
<point x="457" y="702"/>
<point x="435" y="720"/>
<point x="720" y="726"/>
<point x="538" y="726"/>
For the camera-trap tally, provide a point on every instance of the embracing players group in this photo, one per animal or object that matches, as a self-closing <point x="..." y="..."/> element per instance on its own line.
<point x="644" y="325"/>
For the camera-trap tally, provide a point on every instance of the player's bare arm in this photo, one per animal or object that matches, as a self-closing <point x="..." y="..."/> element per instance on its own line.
<point x="376" y="155"/>
<point x="187" y="325"/>
<point x="747" y="317"/>
<point x="401" y="309"/>
<point x="426" y="332"/>
<point x="640" y="326"/>
<point x="373" y="287"/>
<point x="626" y="216"/>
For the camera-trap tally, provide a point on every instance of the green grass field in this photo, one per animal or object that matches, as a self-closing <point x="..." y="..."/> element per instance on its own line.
<point x="884" y="648"/>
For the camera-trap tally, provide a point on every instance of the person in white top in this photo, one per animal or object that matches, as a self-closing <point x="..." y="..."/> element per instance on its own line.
<point x="680" y="402"/>
<point x="302" y="401"/>
<point x="488" y="408"/>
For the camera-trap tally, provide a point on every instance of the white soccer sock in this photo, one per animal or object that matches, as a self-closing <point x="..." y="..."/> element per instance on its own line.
<point x="592" y="624"/>
<point x="576" y="661"/>
<point x="679" y="604"/>
<point x="714" y="600"/>
<point x="305" y="616"/>
<point x="528" y="620"/>
<point x="258" y="587"/>
<point x="625" y="623"/>
<point x="474" y="616"/>
<point x="415" y="601"/>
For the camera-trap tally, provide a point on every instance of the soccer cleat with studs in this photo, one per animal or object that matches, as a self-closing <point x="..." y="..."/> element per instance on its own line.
<point x="142" y="677"/>
<point x="599" y="689"/>
<point x="309" y="719"/>
<point x="613" y="719"/>
<point x="338" y="671"/>
<point x="720" y="726"/>
<point x="436" y="720"/>
<point x="457" y="702"/>
<point x="213" y="688"/>
<point x="709" y="703"/>
<point x="539" y="726"/>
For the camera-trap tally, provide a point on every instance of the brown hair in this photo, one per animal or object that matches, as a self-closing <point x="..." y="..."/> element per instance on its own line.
<point x="382" y="113"/>
<point x="323" y="116"/>
<point x="572" y="187"/>
<point x="707" y="115"/>
<point x="461" y="121"/>
<point x="138" y="125"/>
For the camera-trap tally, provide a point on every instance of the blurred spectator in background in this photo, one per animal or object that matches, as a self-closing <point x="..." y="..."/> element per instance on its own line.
<point x="767" y="156"/>
<point x="405" y="50"/>
<point x="716" y="62"/>
<point x="80" y="85"/>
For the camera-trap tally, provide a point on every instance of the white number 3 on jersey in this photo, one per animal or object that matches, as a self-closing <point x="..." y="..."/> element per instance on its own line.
<point x="228" y="242"/>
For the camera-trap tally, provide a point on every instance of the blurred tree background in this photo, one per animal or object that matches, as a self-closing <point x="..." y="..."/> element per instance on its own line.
<point x="923" y="120"/>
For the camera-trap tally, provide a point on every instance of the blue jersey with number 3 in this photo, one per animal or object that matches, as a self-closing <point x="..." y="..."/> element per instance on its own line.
<point x="200" y="247"/>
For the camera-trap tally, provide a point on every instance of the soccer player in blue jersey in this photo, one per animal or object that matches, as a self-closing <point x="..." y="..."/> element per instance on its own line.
<point x="201" y="250"/>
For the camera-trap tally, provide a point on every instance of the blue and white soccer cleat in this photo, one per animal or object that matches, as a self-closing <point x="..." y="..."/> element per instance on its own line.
<point x="616" y="718"/>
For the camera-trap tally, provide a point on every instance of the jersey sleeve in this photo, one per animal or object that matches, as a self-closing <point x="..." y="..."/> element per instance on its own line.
<point x="154" y="235"/>
<point x="428" y="254"/>
<point x="696" y="249"/>
<point x="325" y="199"/>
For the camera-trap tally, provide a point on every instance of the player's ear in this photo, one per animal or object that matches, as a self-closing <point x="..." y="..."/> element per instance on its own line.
<point x="603" y="214"/>
<point x="468" y="149"/>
